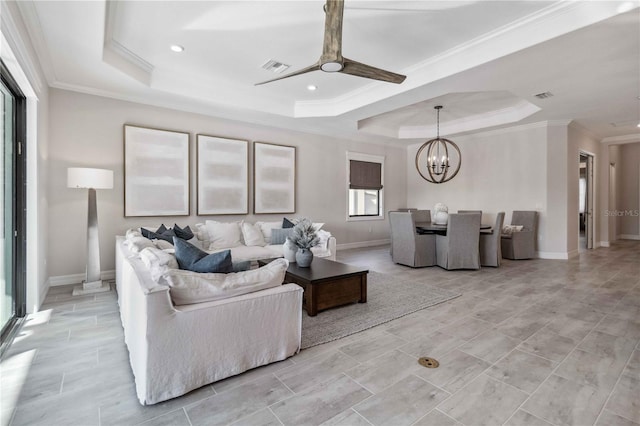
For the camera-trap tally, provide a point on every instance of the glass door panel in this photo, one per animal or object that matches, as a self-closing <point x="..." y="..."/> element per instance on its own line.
<point x="7" y="294"/>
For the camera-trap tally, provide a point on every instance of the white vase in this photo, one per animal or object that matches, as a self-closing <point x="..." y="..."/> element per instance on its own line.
<point x="441" y="218"/>
<point x="290" y="250"/>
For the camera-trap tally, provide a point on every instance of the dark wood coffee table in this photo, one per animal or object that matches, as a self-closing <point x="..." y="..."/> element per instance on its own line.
<point x="327" y="283"/>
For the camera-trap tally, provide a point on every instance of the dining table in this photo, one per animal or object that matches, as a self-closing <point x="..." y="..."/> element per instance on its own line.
<point x="428" y="227"/>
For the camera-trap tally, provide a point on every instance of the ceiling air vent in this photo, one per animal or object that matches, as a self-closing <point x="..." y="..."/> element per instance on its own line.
<point x="275" y="66"/>
<point x="544" y="95"/>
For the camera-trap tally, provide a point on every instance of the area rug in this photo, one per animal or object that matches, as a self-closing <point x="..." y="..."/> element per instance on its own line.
<point x="388" y="298"/>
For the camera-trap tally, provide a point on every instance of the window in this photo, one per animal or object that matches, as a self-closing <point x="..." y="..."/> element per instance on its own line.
<point x="365" y="186"/>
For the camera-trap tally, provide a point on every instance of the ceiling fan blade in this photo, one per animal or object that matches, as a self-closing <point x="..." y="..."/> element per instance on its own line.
<point x="367" y="71"/>
<point x="332" y="47"/>
<point x="313" y="67"/>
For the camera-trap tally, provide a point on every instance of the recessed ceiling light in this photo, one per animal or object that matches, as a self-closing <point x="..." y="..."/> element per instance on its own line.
<point x="638" y="124"/>
<point x="177" y="48"/>
<point x="311" y="87"/>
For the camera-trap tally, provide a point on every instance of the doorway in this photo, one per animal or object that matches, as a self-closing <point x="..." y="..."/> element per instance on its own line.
<point x="585" y="205"/>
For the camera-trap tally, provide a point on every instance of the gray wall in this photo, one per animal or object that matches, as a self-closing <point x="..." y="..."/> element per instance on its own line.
<point x="501" y="170"/>
<point x="86" y="131"/>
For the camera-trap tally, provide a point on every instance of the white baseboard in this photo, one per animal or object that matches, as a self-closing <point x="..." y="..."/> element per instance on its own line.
<point x="361" y="244"/>
<point x="43" y="293"/>
<point x="556" y="255"/>
<point x="628" y="237"/>
<point x="604" y="244"/>
<point x="77" y="278"/>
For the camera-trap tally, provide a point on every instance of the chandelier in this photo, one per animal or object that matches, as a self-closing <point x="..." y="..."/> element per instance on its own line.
<point x="437" y="168"/>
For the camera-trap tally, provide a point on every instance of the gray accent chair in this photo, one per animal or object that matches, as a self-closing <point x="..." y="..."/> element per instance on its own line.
<point x="490" y="244"/>
<point x="460" y="248"/>
<point x="521" y="245"/>
<point x="407" y="246"/>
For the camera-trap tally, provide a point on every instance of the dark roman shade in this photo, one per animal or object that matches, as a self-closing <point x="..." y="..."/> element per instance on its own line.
<point x="365" y="175"/>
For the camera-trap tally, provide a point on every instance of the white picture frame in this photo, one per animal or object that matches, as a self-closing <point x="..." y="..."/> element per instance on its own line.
<point x="274" y="178"/>
<point x="222" y="175"/>
<point x="156" y="172"/>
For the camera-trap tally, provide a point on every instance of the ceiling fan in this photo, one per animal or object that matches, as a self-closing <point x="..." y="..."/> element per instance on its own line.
<point x="332" y="59"/>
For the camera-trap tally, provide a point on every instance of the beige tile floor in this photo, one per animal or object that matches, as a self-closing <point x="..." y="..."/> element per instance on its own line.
<point x="535" y="342"/>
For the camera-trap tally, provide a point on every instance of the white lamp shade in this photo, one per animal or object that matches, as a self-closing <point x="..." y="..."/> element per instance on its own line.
<point x="80" y="177"/>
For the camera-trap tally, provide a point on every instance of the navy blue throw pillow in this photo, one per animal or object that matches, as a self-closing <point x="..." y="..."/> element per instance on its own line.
<point x="145" y="232"/>
<point x="167" y="235"/>
<point x="184" y="233"/>
<point x="286" y="223"/>
<point x="193" y="259"/>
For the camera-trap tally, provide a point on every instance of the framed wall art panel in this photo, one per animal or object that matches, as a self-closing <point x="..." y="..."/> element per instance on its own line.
<point x="156" y="172"/>
<point x="222" y="175"/>
<point x="274" y="178"/>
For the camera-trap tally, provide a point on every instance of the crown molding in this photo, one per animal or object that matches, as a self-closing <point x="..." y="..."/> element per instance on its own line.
<point x="620" y="140"/>
<point x="512" y="114"/>
<point x="117" y="55"/>
<point x="11" y="21"/>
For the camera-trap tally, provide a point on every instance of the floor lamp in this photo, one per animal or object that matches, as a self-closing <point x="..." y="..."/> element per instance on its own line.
<point x="91" y="179"/>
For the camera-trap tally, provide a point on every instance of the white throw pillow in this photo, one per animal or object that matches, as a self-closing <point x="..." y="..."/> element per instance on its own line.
<point x="252" y="234"/>
<point x="137" y="244"/>
<point x="317" y="226"/>
<point x="132" y="233"/>
<point x="266" y="227"/>
<point x="200" y="232"/>
<point x="192" y="287"/>
<point x="223" y="234"/>
<point x="158" y="261"/>
<point x="323" y="236"/>
<point x="510" y="229"/>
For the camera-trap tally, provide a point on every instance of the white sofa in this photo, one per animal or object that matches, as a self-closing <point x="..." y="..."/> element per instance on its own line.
<point x="217" y="236"/>
<point x="175" y="349"/>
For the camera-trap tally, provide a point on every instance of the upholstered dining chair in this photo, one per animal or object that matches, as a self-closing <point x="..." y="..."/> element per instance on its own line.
<point x="490" y="244"/>
<point x="521" y="244"/>
<point x="407" y="246"/>
<point x="422" y="215"/>
<point x="459" y="249"/>
<point x="470" y="211"/>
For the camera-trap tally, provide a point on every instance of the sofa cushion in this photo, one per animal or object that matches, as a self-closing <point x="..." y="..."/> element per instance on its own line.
<point x="279" y="236"/>
<point x="251" y="234"/>
<point x="267" y="227"/>
<point x="191" y="258"/>
<point x="286" y="223"/>
<point x="191" y="287"/>
<point x="223" y="234"/>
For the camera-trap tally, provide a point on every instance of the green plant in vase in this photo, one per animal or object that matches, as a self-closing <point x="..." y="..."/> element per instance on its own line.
<point x="304" y="236"/>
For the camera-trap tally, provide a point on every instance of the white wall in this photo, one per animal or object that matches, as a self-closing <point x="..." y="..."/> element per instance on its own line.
<point x="629" y="191"/>
<point x="87" y="131"/>
<point x="502" y="170"/>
